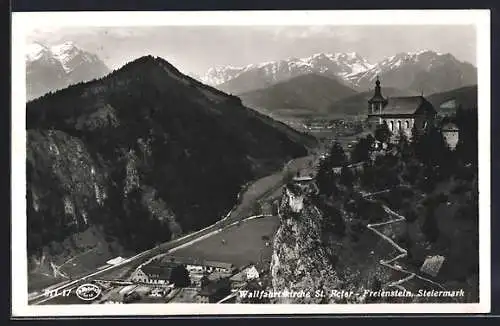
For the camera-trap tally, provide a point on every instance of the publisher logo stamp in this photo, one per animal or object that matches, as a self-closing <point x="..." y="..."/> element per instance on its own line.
<point x="88" y="292"/>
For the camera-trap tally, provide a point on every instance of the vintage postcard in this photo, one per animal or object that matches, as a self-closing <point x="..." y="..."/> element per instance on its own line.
<point x="302" y="162"/>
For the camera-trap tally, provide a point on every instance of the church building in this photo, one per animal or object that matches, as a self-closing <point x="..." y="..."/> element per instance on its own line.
<point x="400" y="114"/>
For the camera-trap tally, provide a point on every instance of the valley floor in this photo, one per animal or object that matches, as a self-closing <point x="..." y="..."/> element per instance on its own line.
<point x="259" y="191"/>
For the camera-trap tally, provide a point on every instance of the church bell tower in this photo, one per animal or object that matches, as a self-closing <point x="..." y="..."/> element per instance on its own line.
<point x="377" y="102"/>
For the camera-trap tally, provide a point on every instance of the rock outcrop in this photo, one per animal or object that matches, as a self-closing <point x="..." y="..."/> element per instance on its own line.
<point x="315" y="260"/>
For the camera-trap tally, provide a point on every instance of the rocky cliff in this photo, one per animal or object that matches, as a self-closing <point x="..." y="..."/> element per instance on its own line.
<point x="323" y="250"/>
<point x="300" y="261"/>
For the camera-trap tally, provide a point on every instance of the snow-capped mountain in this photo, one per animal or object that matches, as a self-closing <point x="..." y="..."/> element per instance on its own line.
<point x="426" y="71"/>
<point x="239" y="80"/>
<point x="58" y="66"/>
<point x="423" y="71"/>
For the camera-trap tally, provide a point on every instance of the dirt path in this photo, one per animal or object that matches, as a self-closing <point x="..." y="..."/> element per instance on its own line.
<point x="403" y="253"/>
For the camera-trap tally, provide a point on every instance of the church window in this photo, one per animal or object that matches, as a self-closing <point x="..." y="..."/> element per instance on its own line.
<point x="399" y="125"/>
<point x="391" y="125"/>
<point x="407" y="124"/>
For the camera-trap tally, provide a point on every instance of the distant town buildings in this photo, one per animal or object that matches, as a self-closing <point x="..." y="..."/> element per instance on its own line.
<point x="159" y="271"/>
<point x="400" y="114"/>
<point x="160" y="280"/>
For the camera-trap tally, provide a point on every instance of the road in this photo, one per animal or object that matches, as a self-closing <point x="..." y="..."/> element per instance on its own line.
<point x="255" y="192"/>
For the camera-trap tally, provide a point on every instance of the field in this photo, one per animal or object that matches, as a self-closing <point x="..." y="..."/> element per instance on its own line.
<point x="243" y="243"/>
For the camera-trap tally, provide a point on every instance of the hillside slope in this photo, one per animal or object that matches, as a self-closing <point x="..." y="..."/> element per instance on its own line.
<point x="144" y="154"/>
<point x="307" y="92"/>
<point x="358" y="104"/>
<point x="448" y="102"/>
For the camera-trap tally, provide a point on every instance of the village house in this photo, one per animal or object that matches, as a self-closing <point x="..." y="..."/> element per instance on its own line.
<point x="432" y="265"/>
<point x="192" y="265"/>
<point x="139" y="276"/>
<point x="196" y="279"/>
<point x="216" y="276"/>
<point x="240" y="279"/>
<point x="216" y="266"/>
<point x="252" y="273"/>
<point x="158" y="273"/>
<point x="400" y="114"/>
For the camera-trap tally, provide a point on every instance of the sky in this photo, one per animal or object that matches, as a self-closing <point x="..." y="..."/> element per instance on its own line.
<point x="195" y="49"/>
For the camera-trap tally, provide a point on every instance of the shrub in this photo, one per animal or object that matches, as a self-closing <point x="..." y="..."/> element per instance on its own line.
<point x="409" y="212"/>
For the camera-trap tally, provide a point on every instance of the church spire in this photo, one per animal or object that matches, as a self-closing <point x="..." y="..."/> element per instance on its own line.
<point x="378" y="92"/>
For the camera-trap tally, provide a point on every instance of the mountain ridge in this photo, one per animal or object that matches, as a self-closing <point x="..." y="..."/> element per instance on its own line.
<point x="58" y="66"/>
<point x="411" y="70"/>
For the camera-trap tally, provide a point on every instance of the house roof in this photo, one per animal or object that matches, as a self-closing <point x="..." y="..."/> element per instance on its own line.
<point x="219" y="264"/>
<point x="432" y="265"/>
<point x="115" y="261"/>
<point x="407" y="105"/>
<point x="164" y="272"/>
<point x="217" y="276"/>
<point x="181" y="260"/>
<point x="174" y="261"/>
<point x="239" y="277"/>
<point x="303" y="178"/>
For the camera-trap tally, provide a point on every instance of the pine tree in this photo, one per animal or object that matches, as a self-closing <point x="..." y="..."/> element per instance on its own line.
<point x="347" y="177"/>
<point x="180" y="276"/>
<point x="382" y="133"/>
<point x="337" y="156"/>
<point x="325" y="177"/>
<point x="362" y="149"/>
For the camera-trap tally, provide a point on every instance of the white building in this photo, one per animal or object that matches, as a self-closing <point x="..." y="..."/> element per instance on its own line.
<point x="139" y="276"/>
<point x="450" y="133"/>
<point x="252" y="273"/>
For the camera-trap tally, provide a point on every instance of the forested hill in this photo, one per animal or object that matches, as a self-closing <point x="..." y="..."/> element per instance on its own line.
<point x="310" y="92"/>
<point x="145" y="152"/>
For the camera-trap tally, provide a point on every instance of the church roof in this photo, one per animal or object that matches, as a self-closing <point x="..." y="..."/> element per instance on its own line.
<point x="407" y="105"/>
<point x="377" y="98"/>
